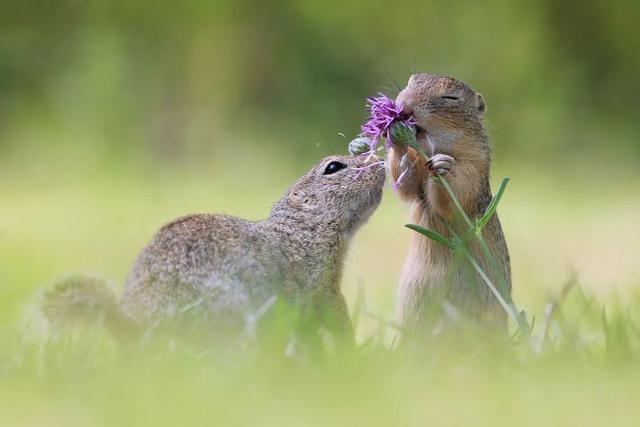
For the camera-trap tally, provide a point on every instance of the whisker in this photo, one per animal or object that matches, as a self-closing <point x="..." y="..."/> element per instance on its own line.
<point x="398" y="87"/>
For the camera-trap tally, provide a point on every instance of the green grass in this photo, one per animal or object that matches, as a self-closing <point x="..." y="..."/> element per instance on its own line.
<point x="586" y="373"/>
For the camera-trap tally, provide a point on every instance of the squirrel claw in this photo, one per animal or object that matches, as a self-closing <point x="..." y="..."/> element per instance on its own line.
<point x="440" y="164"/>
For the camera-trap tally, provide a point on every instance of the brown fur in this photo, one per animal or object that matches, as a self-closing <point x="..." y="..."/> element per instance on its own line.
<point x="453" y="127"/>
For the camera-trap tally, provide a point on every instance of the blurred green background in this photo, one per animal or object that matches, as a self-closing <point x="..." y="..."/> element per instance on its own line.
<point x="117" y="116"/>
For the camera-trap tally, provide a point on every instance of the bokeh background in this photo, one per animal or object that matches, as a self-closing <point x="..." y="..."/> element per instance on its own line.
<point x="117" y="116"/>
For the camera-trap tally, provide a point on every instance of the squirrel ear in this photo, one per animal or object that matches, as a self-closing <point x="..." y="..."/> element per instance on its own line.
<point x="481" y="106"/>
<point x="295" y="199"/>
<point x="300" y="200"/>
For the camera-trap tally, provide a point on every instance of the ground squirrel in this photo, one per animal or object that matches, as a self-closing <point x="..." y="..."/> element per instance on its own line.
<point x="233" y="266"/>
<point x="449" y="124"/>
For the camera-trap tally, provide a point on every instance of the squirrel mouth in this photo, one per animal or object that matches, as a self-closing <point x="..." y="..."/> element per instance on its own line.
<point x="369" y="204"/>
<point x="420" y="132"/>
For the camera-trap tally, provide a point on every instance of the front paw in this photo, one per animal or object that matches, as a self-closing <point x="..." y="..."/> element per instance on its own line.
<point x="440" y="164"/>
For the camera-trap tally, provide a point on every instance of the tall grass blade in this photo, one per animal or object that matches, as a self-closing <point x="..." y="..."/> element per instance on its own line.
<point x="491" y="209"/>
<point x="433" y="235"/>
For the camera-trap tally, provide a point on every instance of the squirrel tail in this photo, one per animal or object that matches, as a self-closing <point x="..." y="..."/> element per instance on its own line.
<point x="84" y="300"/>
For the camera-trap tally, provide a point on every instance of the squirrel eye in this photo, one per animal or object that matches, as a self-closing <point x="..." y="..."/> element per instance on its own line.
<point x="334" y="167"/>
<point x="449" y="97"/>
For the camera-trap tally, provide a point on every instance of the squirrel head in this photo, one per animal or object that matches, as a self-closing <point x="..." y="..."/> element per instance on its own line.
<point x="336" y="196"/>
<point x="446" y="111"/>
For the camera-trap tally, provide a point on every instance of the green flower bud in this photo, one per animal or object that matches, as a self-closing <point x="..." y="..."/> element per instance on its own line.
<point x="403" y="135"/>
<point x="360" y="145"/>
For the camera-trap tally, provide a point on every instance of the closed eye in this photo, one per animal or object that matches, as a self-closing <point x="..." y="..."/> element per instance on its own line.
<point x="449" y="97"/>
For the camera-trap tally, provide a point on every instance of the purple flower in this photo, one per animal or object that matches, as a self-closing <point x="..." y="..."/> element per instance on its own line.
<point x="384" y="113"/>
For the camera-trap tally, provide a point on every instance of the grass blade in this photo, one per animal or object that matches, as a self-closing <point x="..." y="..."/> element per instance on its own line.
<point x="491" y="209"/>
<point x="433" y="235"/>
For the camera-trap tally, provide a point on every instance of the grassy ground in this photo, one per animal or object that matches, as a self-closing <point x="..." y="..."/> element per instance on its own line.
<point x="56" y="220"/>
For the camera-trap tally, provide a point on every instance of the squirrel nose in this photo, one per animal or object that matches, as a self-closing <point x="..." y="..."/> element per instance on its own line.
<point x="407" y="106"/>
<point x="372" y="158"/>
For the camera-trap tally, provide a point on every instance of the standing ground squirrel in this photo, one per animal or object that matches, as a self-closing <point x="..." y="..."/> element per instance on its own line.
<point x="233" y="266"/>
<point x="449" y="123"/>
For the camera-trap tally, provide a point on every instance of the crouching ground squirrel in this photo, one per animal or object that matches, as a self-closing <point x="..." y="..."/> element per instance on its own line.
<point x="449" y="123"/>
<point x="231" y="267"/>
